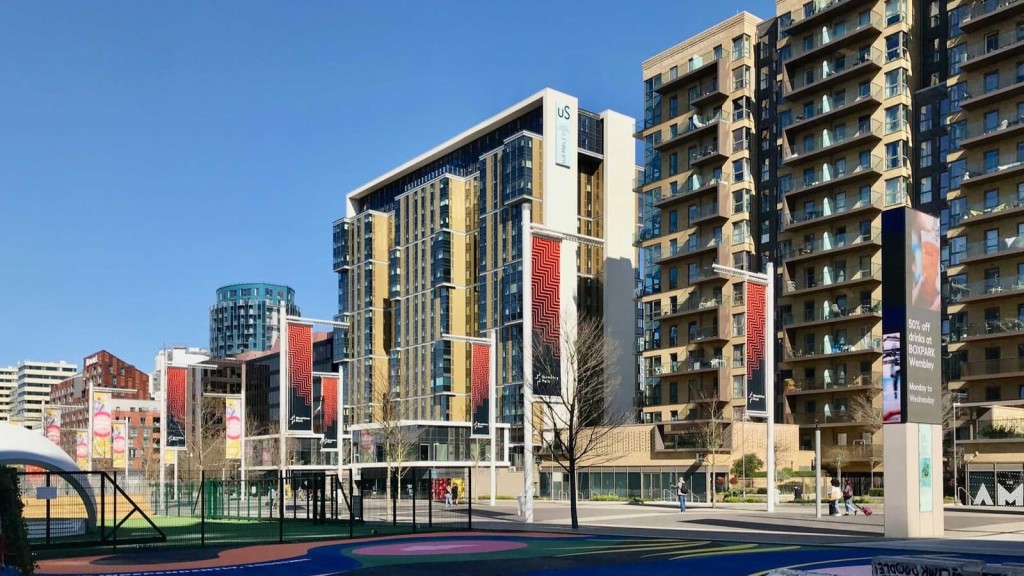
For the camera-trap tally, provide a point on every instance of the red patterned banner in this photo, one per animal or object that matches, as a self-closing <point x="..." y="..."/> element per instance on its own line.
<point x="757" y="405"/>
<point x="329" y="412"/>
<point x="300" y="378"/>
<point x="480" y="394"/>
<point x="177" y="377"/>
<point x="546" y="306"/>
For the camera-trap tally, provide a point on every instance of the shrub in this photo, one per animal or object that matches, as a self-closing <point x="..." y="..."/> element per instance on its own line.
<point x="636" y="500"/>
<point x="12" y="524"/>
<point x="605" y="498"/>
<point x="877" y="492"/>
<point x="741" y="499"/>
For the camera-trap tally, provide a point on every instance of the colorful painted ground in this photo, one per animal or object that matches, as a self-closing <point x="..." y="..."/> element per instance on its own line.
<point x="490" y="554"/>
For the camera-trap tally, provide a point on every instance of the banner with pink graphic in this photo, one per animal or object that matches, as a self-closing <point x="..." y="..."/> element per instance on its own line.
<point x="233" y="423"/>
<point x="101" y="424"/>
<point x="51" y="425"/>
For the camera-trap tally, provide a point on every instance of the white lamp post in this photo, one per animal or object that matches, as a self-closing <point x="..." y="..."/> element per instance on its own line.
<point x="767" y="280"/>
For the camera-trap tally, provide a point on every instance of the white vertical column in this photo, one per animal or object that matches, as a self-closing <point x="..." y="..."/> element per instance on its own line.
<point x="89" y="434"/>
<point x="527" y="255"/>
<point x="769" y="377"/>
<point x="163" y="432"/>
<point x="492" y="399"/>
<point x="341" y="419"/>
<point x="282" y="395"/>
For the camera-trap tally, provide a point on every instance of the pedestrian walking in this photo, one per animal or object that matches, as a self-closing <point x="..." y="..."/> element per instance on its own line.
<point x="448" y="496"/>
<point x="834" y="494"/>
<point x="681" y="490"/>
<point x="848" y="498"/>
<point x="270" y="499"/>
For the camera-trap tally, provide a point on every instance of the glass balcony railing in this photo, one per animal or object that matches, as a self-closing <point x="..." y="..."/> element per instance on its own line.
<point x="831" y="207"/>
<point x="999" y="366"/>
<point x="692" y="305"/>
<point x="979" y="210"/>
<point x="831" y="104"/>
<point x="993" y="327"/>
<point x="986" y="7"/>
<point x="989" y="91"/>
<point x="957" y="292"/>
<point x="830" y="416"/>
<point x="694" y="364"/>
<point x="830" y="172"/>
<point x="696" y="244"/>
<point x="829" y="139"/>
<point x="814" y="8"/>
<point x="704" y="90"/>
<point x="834" y="35"/>
<point x="705" y="152"/>
<point x="829" y="244"/>
<point x="831" y="311"/>
<point x="993" y="44"/>
<point x="708" y="210"/>
<point x="994" y="247"/>
<point x="837" y="381"/>
<point x="834" y="345"/>
<point x="833" y="68"/>
<point x="700" y="334"/>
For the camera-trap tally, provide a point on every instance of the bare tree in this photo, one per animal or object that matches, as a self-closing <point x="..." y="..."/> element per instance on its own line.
<point x="839" y="456"/>
<point x="711" y="436"/>
<point x="479" y="452"/>
<point x="865" y="410"/>
<point x="205" y="442"/>
<point x="578" y="424"/>
<point x="397" y="437"/>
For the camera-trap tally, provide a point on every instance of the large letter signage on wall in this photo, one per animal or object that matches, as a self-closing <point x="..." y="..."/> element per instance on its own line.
<point x="176" y="383"/>
<point x="300" y="377"/>
<point x="480" y="395"/>
<point x="545" y="282"/>
<point x="911" y="304"/>
<point x="757" y="402"/>
<point x="563" y="133"/>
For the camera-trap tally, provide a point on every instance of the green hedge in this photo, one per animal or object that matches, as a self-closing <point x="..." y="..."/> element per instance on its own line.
<point x="741" y="499"/>
<point x="877" y="492"/>
<point x="12" y="524"/>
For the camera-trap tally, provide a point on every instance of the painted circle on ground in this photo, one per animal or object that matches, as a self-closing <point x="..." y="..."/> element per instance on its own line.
<point x="439" y="547"/>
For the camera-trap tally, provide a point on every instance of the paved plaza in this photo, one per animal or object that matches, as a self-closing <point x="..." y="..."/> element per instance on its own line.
<point x="615" y="539"/>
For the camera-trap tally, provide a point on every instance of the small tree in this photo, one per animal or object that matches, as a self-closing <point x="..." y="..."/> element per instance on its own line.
<point x="748" y="464"/>
<point x="579" y="422"/>
<point x="397" y="437"/>
<point x="12" y="523"/>
<point x="711" y="436"/>
<point x="839" y="456"/>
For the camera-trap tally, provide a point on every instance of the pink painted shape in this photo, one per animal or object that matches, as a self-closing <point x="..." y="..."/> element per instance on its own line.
<point x="439" y="547"/>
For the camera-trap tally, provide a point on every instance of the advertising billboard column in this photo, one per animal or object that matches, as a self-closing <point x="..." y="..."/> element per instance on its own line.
<point x="912" y="394"/>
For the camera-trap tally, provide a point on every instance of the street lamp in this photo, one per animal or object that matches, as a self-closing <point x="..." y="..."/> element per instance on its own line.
<point x="956" y="471"/>
<point x="492" y="374"/>
<point x="767" y="280"/>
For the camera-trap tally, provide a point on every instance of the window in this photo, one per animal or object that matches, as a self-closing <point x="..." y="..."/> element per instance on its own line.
<point x="957" y="249"/>
<point x="894" y="154"/>
<point x="739" y="324"/>
<point x="673" y="221"/>
<point x="926" y="154"/>
<point x="991" y="160"/>
<point x="673" y="106"/>
<point x="673" y="164"/>
<point x="957" y="55"/>
<point x="991" y="81"/>
<point x="739" y="170"/>
<point x="895" y="118"/>
<point x="895" y="46"/>
<point x="957" y="92"/>
<point x="740" y="47"/>
<point x="894" y="11"/>
<point x="992" y="242"/>
<point x="741" y="77"/>
<point x="895" y="191"/>
<point x="991" y="121"/>
<point x="673" y="278"/>
<point x="738" y="385"/>
<point x="740" y="201"/>
<point x="991" y="42"/>
<point x="924" y="195"/>
<point x="895" y="82"/>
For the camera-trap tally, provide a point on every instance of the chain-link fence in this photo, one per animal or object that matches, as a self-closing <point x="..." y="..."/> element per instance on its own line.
<point x="206" y="508"/>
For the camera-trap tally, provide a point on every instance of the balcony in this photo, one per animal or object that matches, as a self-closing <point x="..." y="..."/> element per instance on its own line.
<point x="984" y="250"/>
<point x="836" y="72"/>
<point x="987" y="330"/>
<point x="714" y="153"/>
<point x="694" y="366"/>
<point x="997" y="368"/>
<point x="830" y="142"/>
<point x="831" y="312"/>
<point x="710" y="62"/>
<point x="992" y="96"/>
<point x="804" y="286"/>
<point x="1005" y="129"/>
<point x="834" y="38"/>
<point x="819" y="13"/>
<point x="708" y="94"/>
<point x="835" y="383"/>
<point x="691" y="306"/>
<point x="830" y="107"/>
<point x="979" y="212"/>
<point x="825" y="418"/>
<point x="694" y="246"/>
<point x="705" y="275"/>
<point x="988" y="174"/>
<point x="987" y="12"/>
<point x="708" y="212"/>
<point x="988" y="289"/>
<point x="829" y="349"/>
<point x="831" y="176"/>
<point x="830" y="209"/>
<point x="695" y="187"/>
<point x="831" y="246"/>
<point x="696" y="126"/>
<point x="645" y="235"/>
<point x="993" y="49"/>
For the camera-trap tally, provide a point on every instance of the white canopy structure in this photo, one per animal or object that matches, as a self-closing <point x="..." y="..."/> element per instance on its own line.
<point x="21" y="446"/>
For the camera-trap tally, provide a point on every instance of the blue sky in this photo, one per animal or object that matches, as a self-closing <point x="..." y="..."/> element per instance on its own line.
<point x="152" y="151"/>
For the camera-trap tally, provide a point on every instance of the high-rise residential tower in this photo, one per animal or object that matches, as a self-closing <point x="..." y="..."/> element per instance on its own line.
<point x="244" y="317"/>
<point x="435" y="246"/>
<point x="8" y="383"/>
<point x="33" y="389"/>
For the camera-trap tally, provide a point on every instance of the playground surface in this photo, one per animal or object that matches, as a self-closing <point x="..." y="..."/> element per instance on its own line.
<point x="495" y="554"/>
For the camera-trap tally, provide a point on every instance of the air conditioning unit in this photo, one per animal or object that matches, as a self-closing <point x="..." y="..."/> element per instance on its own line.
<point x="512" y="469"/>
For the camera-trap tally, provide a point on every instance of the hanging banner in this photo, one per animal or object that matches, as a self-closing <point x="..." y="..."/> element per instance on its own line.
<point x="233" y="428"/>
<point x="177" y="377"/>
<point x="51" y="425"/>
<point x="545" y="281"/>
<point x="101" y="425"/>
<point x="924" y="468"/>
<point x="82" y="449"/>
<point x="480" y="394"/>
<point x="170" y="457"/>
<point x="757" y="375"/>
<point x="119" y="445"/>
<point x="300" y="378"/>
<point x="329" y="413"/>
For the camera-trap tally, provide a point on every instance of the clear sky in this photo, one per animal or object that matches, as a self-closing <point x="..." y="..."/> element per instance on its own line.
<point x="153" y="151"/>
